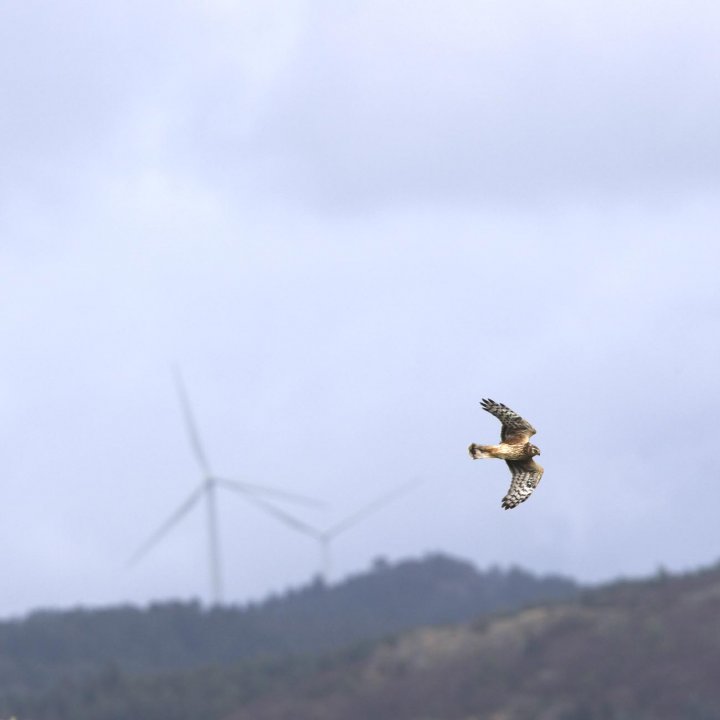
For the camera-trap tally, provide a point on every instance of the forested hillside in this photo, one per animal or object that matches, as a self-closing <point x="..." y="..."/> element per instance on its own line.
<point x="106" y="653"/>
<point x="632" y="651"/>
<point x="642" y="650"/>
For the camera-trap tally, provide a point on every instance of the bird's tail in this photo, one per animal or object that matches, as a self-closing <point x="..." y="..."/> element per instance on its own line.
<point x="479" y="451"/>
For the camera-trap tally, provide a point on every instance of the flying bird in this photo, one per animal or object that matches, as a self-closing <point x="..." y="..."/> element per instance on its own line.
<point x="515" y="449"/>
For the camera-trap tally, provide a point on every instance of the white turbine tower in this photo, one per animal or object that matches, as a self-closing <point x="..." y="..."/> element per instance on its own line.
<point x="208" y="490"/>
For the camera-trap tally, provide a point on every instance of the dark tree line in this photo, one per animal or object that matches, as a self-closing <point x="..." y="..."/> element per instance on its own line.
<point x="93" y="662"/>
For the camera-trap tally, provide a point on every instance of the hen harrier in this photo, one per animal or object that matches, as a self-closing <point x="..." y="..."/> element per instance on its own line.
<point x="515" y="449"/>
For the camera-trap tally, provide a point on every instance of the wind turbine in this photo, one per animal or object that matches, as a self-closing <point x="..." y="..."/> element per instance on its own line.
<point x="207" y="490"/>
<point x="327" y="536"/>
<point x="350" y="521"/>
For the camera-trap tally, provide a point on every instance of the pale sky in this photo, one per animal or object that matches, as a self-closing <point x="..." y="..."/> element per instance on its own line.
<point x="346" y="224"/>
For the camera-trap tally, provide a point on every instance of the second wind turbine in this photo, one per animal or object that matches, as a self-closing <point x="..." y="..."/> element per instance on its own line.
<point x="327" y="536"/>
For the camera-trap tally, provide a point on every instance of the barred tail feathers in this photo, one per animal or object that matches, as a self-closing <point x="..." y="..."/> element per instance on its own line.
<point x="479" y="451"/>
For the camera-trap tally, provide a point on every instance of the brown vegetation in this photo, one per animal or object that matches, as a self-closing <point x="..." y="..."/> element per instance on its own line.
<point x="633" y="651"/>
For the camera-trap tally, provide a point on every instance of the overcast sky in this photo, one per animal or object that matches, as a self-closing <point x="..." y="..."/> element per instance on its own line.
<point x="347" y="223"/>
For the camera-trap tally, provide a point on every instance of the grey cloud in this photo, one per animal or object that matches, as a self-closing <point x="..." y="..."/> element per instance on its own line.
<point x="189" y="216"/>
<point x="530" y="101"/>
<point x="369" y="104"/>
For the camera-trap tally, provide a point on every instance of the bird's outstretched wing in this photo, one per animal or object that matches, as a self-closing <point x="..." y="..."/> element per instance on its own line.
<point x="526" y="476"/>
<point x="515" y="430"/>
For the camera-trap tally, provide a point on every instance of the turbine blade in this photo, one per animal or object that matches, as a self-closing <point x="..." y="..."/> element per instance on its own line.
<point x="246" y="487"/>
<point x="190" y="425"/>
<point x="285" y="518"/>
<point x="371" y="508"/>
<point x="160" y="533"/>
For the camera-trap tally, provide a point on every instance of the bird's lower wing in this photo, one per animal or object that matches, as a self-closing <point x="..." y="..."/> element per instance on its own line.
<point x="526" y="475"/>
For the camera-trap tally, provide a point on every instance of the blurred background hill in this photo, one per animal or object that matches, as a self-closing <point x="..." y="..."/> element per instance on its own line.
<point x="498" y="645"/>
<point x="647" y="650"/>
<point x="51" y="647"/>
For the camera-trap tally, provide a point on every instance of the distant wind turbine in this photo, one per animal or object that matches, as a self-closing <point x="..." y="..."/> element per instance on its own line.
<point x="208" y="490"/>
<point x="327" y="536"/>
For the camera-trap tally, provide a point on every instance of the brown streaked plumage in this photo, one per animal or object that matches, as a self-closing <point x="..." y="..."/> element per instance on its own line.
<point x="517" y="451"/>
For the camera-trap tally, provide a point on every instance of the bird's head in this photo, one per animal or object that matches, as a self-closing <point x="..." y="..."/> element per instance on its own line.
<point x="532" y="450"/>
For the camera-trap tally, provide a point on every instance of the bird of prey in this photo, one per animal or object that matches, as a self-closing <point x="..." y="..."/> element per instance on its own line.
<point x="515" y="449"/>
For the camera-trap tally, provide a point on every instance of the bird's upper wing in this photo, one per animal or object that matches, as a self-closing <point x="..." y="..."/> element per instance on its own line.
<point x="526" y="476"/>
<point x="515" y="430"/>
